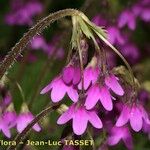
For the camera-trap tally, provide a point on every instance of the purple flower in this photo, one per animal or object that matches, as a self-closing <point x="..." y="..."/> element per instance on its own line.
<point x="90" y="76"/>
<point x="120" y="133"/>
<point x="99" y="21"/>
<point x="23" y="12"/>
<point x="131" y="52"/>
<point x="145" y="14"/>
<point x="24" y="119"/>
<point x="48" y="48"/>
<point x="96" y="93"/>
<point x="137" y="9"/>
<point x="114" y="36"/>
<point x="127" y="18"/>
<point x="71" y="74"/>
<point x="59" y="89"/>
<point x="135" y="114"/>
<point x="6" y="100"/>
<point x="7" y="121"/>
<point x="80" y="117"/>
<point x="70" y="147"/>
<point x="99" y="92"/>
<point x="112" y="82"/>
<point x="38" y="43"/>
<point x="146" y="127"/>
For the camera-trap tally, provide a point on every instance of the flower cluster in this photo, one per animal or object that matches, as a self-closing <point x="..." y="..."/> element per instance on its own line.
<point x="98" y="92"/>
<point x="9" y="118"/>
<point x="97" y="86"/>
<point x="129" y="18"/>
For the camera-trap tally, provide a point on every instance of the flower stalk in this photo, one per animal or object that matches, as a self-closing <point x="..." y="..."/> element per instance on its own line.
<point x="35" y="30"/>
<point x="24" y="133"/>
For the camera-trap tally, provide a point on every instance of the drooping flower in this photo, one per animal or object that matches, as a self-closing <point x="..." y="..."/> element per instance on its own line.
<point x="99" y="21"/>
<point x="112" y="82"/>
<point x="115" y="36"/>
<point x="134" y="114"/>
<point x="145" y="15"/>
<point x="120" y="133"/>
<point x="131" y="52"/>
<point x="127" y="18"/>
<point x="90" y="74"/>
<point x="97" y="93"/>
<point x="58" y="90"/>
<point x="24" y="119"/>
<point x="6" y="98"/>
<point x="50" y="49"/>
<point x="7" y="121"/>
<point x="71" y="74"/>
<point x="101" y="92"/>
<point x="38" y="43"/>
<point x="80" y="117"/>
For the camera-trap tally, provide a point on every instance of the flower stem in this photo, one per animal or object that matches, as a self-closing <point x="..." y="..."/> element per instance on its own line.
<point x="24" y="133"/>
<point x="35" y="30"/>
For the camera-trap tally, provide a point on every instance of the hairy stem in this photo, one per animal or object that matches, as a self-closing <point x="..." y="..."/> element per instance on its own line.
<point x="24" y="133"/>
<point x="35" y="30"/>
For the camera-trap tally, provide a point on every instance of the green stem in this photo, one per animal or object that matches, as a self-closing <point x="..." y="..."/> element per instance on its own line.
<point x="35" y="30"/>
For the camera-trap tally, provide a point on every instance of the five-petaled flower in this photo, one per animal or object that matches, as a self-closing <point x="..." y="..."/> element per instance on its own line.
<point x="135" y="114"/>
<point x="80" y="117"/>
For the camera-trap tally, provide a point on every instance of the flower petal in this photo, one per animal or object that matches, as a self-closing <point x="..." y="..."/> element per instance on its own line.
<point x="77" y="75"/>
<point x="66" y="116"/>
<point x="92" y="97"/>
<point x="80" y="121"/>
<point x="136" y="119"/>
<point x="58" y="90"/>
<point x="95" y="120"/>
<point x="105" y="99"/>
<point x="36" y="127"/>
<point x="113" y="140"/>
<point x="144" y="115"/>
<point x="112" y="83"/>
<point x="124" y="117"/>
<point x="68" y="73"/>
<point x="73" y="94"/>
<point x="6" y="131"/>
<point x="46" y="89"/>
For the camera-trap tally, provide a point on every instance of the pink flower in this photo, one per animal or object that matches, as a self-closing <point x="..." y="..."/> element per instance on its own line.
<point x="38" y="43"/>
<point x="90" y="76"/>
<point x="7" y="121"/>
<point x="127" y="18"/>
<point x="80" y="117"/>
<point x="131" y="51"/>
<point x="71" y="74"/>
<point x="135" y="114"/>
<point x="101" y="92"/>
<point x="99" y="21"/>
<point x="145" y="15"/>
<point x="24" y="119"/>
<point x="120" y="133"/>
<point x="115" y="36"/>
<point x="59" y="89"/>
<point x="112" y="82"/>
<point x="96" y="93"/>
<point x="22" y="13"/>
